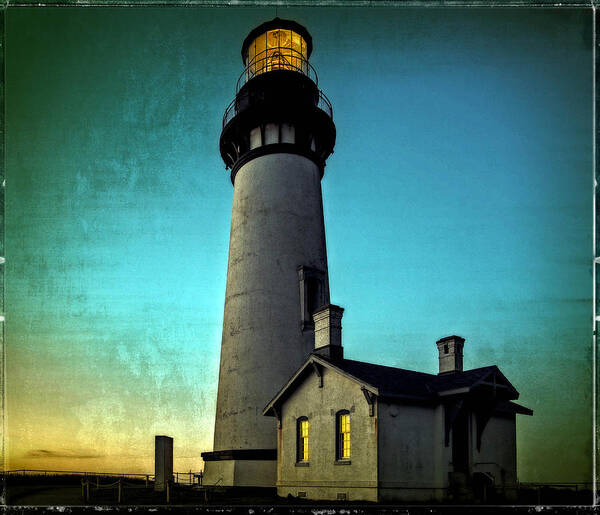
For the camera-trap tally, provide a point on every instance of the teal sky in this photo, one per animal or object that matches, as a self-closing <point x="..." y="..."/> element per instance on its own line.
<point x="458" y="201"/>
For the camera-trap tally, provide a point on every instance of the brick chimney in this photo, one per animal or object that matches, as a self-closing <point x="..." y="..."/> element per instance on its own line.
<point x="328" y="331"/>
<point x="450" y="350"/>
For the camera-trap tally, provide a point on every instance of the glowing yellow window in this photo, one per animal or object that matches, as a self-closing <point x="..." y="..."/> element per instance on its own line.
<point x="303" y="439"/>
<point x="343" y="436"/>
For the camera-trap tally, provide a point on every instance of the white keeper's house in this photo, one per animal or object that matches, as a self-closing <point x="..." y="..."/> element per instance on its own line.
<point x="350" y="430"/>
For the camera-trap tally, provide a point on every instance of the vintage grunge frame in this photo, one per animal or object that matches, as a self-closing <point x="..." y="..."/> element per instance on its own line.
<point x="594" y="260"/>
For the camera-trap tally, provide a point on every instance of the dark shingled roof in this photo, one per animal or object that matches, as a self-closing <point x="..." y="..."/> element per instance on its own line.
<point x="398" y="383"/>
<point x="391" y="381"/>
<point x="461" y="379"/>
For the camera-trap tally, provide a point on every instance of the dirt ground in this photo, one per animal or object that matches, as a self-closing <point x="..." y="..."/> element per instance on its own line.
<point x="68" y="491"/>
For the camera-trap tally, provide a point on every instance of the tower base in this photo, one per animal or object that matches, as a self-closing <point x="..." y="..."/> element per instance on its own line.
<point x="242" y="468"/>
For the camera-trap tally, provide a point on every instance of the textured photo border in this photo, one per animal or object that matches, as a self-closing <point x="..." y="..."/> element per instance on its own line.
<point x="306" y="509"/>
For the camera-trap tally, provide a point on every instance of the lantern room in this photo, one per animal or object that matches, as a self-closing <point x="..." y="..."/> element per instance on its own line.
<point x="277" y="45"/>
<point x="278" y="106"/>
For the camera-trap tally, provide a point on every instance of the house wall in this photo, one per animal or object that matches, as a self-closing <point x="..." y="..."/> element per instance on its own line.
<point x="498" y="453"/>
<point x="323" y="478"/>
<point x="412" y="457"/>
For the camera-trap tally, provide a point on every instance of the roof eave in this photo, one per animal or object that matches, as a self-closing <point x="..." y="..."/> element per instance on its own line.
<point x="269" y="409"/>
<point x="329" y="364"/>
<point x="517" y="408"/>
<point x="495" y="369"/>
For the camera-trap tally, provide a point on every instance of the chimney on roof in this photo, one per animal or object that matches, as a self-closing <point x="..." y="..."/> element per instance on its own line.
<point x="328" y="331"/>
<point x="450" y="350"/>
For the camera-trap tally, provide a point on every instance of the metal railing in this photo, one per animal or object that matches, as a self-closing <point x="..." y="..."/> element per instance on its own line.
<point x="50" y="473"/>
<point x="230" y="112"/>
<point x="273" y="59"/>
<point x="184" y="478"/>
<point x="323" y="104"/>
<point x="276" y="58"/>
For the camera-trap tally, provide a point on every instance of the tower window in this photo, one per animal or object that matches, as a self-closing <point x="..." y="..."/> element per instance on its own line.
<point x="255" y="138"/>
<point x="303" y="430"/>
<point x="446" y="348"/>
<point x="287" y="133"/>
<point x="271" y="133"/>
<point x="314" y="293"/>
<point x="343" y="435"/>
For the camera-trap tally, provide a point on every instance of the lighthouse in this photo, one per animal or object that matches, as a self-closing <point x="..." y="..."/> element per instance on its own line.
<point x="277" y="135"/>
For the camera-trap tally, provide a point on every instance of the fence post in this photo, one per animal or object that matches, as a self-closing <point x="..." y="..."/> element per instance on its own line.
<point x="539" y="492"/>
<point x="87" y="491"/>
<point x="97" y="482"/>
<point x="119" y="494"/>
<point x="168" y="492"/>
<point x="146" y="480"/>
<point x="82" y="491"/>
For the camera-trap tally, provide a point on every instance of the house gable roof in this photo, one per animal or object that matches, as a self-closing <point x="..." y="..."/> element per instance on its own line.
<point x="397" y="383"/>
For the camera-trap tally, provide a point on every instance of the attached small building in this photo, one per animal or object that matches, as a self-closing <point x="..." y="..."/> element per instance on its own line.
<point x="350" y="430"/>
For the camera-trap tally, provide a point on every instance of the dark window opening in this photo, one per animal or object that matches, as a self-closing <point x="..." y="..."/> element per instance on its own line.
<point x="446" y="348"/>
<point x="313" y="294"/>
<point x="460" y="443"/>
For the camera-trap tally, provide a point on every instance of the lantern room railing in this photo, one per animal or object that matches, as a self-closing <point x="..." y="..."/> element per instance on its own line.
<point x="323" y="104"/>
<point x="276" y="58"/>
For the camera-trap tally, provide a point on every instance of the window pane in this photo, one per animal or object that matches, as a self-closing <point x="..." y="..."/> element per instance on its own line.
<point x="296" y="42"/>
<point x="261" y="46"/>
<point x="272" y="39"/>
<point x="251" y="52"/>
<point x="303" y="435"/>
<point x="344" y="446"/>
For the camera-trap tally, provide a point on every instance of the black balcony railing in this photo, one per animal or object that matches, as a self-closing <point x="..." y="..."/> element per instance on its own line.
<point x="277" y="58"/>
<point x="323" y="104"/>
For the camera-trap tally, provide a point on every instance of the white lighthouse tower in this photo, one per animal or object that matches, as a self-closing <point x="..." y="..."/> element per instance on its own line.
<point x="277" y="134"/>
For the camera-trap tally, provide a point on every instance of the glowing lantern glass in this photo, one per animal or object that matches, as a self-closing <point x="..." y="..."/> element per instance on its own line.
<point x="277" y="49"/>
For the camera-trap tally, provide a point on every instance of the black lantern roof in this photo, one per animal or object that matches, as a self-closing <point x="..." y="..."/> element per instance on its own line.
<point x="277" y="23"/>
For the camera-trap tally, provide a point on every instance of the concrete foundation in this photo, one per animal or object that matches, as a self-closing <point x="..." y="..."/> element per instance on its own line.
<point x="240" y="473"/>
